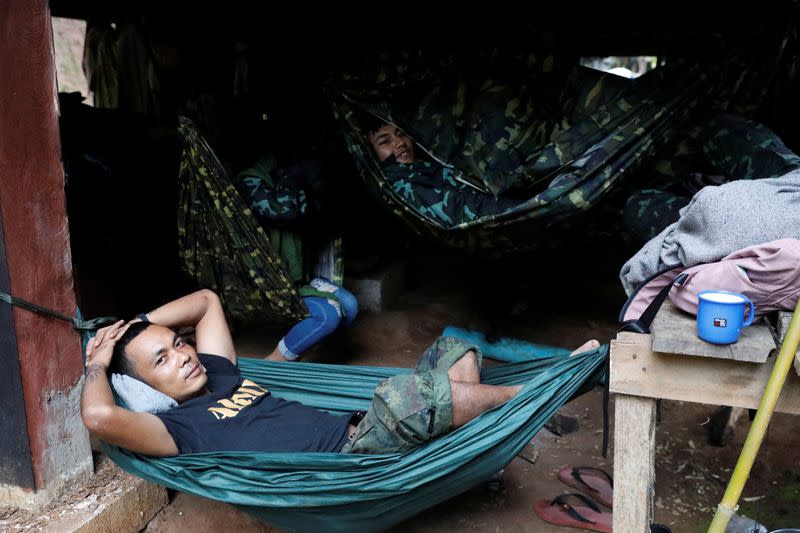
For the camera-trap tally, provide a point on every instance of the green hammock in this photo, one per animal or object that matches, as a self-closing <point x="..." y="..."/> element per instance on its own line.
<point x="339" y="492"/>
<point x="221" y="244"/>
<point x="557" y="136"/>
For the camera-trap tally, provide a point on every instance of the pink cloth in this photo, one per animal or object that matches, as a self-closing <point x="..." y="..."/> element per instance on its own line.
<point x="772" y="280"/>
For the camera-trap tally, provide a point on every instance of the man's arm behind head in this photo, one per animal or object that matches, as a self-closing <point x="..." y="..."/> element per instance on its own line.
<point x="138" y="432"/>
<point x="203" y="311"/>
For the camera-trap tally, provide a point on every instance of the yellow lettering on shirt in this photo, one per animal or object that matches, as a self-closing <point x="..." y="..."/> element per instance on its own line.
<point x="243" y="397"/>
<point x="230" y="404"/>
<point x="252" y="385"/>
<point x="220" y="413"/>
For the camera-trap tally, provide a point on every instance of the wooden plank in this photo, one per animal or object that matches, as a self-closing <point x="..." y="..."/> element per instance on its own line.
<point x="633" y="338"/>
<point x="638" y="371"/>
<point x="634" y="463"/>
<point x="675" y="331"/>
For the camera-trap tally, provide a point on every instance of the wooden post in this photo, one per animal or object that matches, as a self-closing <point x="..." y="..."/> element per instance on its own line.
<point x="634" y="462"/>
<point x="44" y="447"/>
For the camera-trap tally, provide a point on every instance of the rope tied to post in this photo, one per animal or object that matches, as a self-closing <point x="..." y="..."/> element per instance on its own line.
<point x="77" y="322"/>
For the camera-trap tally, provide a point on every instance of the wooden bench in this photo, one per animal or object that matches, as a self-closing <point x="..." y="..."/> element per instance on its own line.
<point x="674" y="364"/>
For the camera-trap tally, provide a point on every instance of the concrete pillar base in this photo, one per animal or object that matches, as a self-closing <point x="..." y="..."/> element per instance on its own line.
<point x="377" y="291"/>
<point x="109" y="500"/>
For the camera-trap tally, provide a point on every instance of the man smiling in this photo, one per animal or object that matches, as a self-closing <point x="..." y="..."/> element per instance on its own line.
<point x="430" y="188"/>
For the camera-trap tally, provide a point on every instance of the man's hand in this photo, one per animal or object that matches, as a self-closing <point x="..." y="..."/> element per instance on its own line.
<point x="138" y="432"/>
<point x="100" y="348"/>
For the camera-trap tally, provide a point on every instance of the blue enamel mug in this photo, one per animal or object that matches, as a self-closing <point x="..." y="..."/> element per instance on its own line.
<point x="720" y="316"/>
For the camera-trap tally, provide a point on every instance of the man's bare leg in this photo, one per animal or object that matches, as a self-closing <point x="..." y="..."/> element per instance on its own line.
<point x="466" y="369"/>
<point x="585" y="347"/>
<point x="471" y="399"/>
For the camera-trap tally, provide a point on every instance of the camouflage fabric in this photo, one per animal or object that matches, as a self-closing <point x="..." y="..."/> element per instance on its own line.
<point x="274" y="195"/>
<point x="120" y="67"/>
<point x="410" y="409"/>
<point x="277" y="195"/>
<point x="746" y="150"/>
<point x="221" y="244"/>
<point x="649" y="211"/>
<point x="276" y="200"/>
<point x="729" y="148"/>
<point x="559" y="140"/>
<point x="432" y="191"/>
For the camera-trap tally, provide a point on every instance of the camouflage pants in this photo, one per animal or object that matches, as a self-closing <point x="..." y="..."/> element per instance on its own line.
<point x="410" y="409"/>
<point x="734" y="149"/>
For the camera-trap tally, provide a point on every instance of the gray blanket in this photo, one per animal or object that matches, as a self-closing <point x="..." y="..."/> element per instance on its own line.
<point x="718" y="221"/>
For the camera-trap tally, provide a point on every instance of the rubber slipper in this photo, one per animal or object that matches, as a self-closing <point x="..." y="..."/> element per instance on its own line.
<point x="589" y="480"/>
<point x="561" y="513"/>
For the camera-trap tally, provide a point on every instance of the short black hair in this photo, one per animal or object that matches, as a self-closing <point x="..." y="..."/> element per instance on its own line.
<point x="371" y="124"/>
<point x="121" y="362"/>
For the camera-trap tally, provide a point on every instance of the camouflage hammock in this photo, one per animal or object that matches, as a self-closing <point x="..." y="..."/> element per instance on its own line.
<point x="559" y="140"/>
<point x="221" y="244"/>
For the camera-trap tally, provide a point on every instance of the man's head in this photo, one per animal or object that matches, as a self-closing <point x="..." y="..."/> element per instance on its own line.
<point x="388" y="140"/>
<point x="161" y="358"/>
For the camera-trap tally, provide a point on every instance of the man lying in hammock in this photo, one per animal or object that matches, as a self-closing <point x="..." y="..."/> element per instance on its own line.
<point x="430" y="188"/>
<point x="220" y="411"/>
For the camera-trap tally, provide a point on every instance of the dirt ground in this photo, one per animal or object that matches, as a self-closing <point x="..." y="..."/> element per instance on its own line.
<point x="690" y="473"/>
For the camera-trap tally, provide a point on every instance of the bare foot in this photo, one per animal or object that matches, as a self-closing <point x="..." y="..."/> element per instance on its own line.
<point x="585" y="347"/>
<point x="276" y="355"/>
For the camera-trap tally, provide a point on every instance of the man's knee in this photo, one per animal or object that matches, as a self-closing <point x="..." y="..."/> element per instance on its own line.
<point x="349" y="304"/>
<point x="466" y="368"/>
<point x="470" y="358"/>
<point x="325" y="316"/>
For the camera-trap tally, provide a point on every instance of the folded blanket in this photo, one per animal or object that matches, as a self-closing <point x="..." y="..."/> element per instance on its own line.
<point x="717" y="222"/>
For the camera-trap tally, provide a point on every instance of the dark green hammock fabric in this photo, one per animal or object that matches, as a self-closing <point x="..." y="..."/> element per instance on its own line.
<point x="331" y="492"/>
<point x="221" y="244"/>
<point x="557" y="136"/>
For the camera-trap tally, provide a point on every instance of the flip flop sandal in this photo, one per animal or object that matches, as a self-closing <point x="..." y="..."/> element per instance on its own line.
<point x="561" y="513"/>
<point x="592" y="481"/>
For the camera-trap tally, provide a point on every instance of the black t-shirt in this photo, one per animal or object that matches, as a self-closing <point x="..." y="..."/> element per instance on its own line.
<point x="239" y="415"/>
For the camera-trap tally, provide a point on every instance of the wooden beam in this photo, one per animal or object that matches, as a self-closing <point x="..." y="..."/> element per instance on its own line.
<point x="634" y="463"/>
<point x="37" y="253"/>
<point x="637" y="370"/>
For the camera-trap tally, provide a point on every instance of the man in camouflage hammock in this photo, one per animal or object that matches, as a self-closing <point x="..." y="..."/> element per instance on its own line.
<point x="430" y="188"/>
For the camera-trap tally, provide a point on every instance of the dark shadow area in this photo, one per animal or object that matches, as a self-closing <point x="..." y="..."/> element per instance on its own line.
<point x="122" y="166"/>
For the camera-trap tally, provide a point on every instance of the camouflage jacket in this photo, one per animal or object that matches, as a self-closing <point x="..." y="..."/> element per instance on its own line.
<point x="432" y="190"/>
<point x="274" y="194"/>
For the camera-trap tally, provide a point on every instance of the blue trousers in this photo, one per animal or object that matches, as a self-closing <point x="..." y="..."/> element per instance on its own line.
<point x="324" y="319"/>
